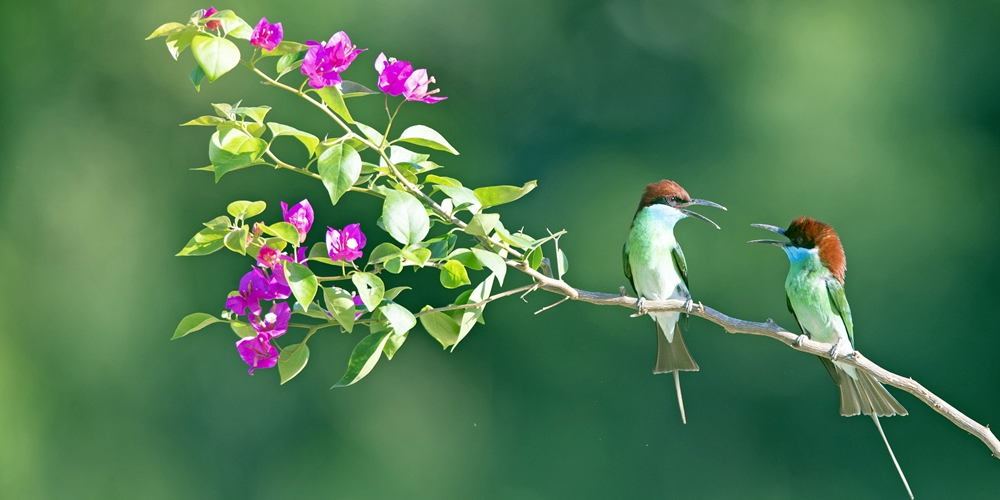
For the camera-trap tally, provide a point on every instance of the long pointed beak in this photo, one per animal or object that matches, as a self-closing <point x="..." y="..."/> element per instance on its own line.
<point x="773" y="229"/>
<point x="691" y="213"/>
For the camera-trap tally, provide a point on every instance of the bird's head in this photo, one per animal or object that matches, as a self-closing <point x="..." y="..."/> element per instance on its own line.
<point x="808" y="236"/>
<point x="671" y="197"/>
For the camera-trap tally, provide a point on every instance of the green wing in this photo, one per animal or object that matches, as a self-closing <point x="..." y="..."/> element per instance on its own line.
<point x="838" y="299"/>
<point x="788" y="302"/>
<point x="680" y="264"/>
<point x="627" y="267"/>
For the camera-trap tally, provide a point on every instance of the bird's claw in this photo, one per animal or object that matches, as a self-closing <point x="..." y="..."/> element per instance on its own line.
<point x="622" y="291"/>
<point x="798" y="340"/>
<point x="640" y="305"/>
<point x="835" y="350"/>
<point x="689" y="306"/>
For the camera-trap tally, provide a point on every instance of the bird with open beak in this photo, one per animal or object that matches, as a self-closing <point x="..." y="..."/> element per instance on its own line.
<point x="655" y="266"/>
<point x="814" y="293"/>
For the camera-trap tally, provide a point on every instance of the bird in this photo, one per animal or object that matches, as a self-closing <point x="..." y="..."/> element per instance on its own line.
<point x="814" y="294"/>
<point x="655" y="267"/>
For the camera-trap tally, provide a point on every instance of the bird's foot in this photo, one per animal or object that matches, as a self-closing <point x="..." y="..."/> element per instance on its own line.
<point x="835" y="351"/>
<point x="641" y="306"/>
<point x="621" y="290"/>
<point x="798" y="340"/>
<point x="689" y="306"/>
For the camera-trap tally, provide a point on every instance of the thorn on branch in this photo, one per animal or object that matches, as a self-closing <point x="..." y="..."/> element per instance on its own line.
<point x="532" y="289"/>
<point x="546" y="308"/>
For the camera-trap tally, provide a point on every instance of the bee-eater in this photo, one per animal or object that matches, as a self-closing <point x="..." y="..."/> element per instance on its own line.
<point x="814" y="293"/>
<point x="655" y="266"/>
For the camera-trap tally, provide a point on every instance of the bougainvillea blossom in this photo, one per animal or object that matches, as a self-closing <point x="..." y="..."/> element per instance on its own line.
<point x="209" y="12"/>
<point x="266" y="35"/>
<point x="345" y="244"/>
<point x="399" y="78"/>
<point x="253" y="288"/>
<point x="324" y="61"/>
<point x="258" y="352"/>
<point x="300" y="215"/>
<point x="275" y="323"/>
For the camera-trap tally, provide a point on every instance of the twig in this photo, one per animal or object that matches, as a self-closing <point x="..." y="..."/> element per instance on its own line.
<point x="771" y="329"/>
<point x="478" y="304"/>
<point x="550" y="306"/>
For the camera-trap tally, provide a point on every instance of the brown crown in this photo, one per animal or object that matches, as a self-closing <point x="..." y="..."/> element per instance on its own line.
<point x="811" y="233"/>
<point x="662" y="189"/>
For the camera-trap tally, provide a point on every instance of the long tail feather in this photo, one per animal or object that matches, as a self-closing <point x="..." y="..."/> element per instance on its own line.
<point x="891" y="454"/>
<point x="680" y="399"/>
<point x="673" y="356"/>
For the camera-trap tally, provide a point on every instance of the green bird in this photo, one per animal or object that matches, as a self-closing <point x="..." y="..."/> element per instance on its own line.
<point x="814" y="293"/>
<point x="655" y="267"/>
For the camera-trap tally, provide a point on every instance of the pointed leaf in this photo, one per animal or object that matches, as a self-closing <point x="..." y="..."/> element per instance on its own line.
<point x="441" y="326"/>
<point x="292" y="360"/>
<point x="196" y="76"/>
<point x="166" y="30"/>
<point x="204" y="242"/>
<point x="482" y="224"/>
<point x="383" y="252"/>
<point x="243" y="330"/>
<point x="373" y="135"/>
<point x="340" y="303"/>
<point x="562" y="264"/>
<point x="405" y="218"/>
<point x="454" y="275"/>
<point x="177" y="42"/>
<point x="400" y="319"/>
<point x="463" y="198"/>
<point x="204" y="121"/>
<point x="340" y="167"/>
<point x="366" y="354"/>
<point x="233" y="149"/>
<point x="425" y="136"/>
<point x="308" y="140"/>
<point x="335" y="100"/>
<point x="193" y="323"/>
<point x="493" y="262"/>
<point x="391" y="293"/>
<point x="370" y="289"/>
<point x="255" y="113"/>
<point x="351" y="89"/>
<point x="285" y="231"/>
<point x="498" y="195"/>
<point x="303" y="283"/>
<point x="285" y="48"/>
<point x="216" y="55"/>
<point x="237" y="240"/>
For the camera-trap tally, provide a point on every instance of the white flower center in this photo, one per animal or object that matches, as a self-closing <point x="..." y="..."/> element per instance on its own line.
<point x="352" y="243"/>
<point x="271" y="317"/>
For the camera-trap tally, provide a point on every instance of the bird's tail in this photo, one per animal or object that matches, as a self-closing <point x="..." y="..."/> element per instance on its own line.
<point x="861" y="393"/>
<point x="673" y="356"/>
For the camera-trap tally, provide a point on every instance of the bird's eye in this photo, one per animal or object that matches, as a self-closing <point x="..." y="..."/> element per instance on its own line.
<point x="798" y="240"/>
<point x="672" y="199"/>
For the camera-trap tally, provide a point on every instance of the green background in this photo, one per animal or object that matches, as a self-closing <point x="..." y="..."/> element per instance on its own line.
<point x="881" y="118"/>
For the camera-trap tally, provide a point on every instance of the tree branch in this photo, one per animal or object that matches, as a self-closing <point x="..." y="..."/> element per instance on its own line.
<point x="771" y="329"/>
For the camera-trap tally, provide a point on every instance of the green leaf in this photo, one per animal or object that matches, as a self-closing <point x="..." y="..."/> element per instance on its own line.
<point x="482" y="224"/>
<point x="237" y="240"/>
<point x="562" y="264"/>
<point x="232" y="24"/>
<point x="335" y="100"/>
<point x="399" y="154"/>
<point x="391" y="293"/>
<point x="177" y="42"/>
<point x="243" y="330"/>
<point x="454" y="275"/>
<point x="166" y="30"/>
<point x="220" y="223"/>
<point x="370" y="289"/>
<point x="394" y="265"/>
<point x="216" y="55"/>
<point x="463" y="198"/>
<point x="204" y="121"/>
<point x="315" y="311"/>
<point x="534" y="258"/>
<point x="193" y="323"/>
<point x="417" y="256"/>
<point x="405" y="218"/>
<point x="498" y="195"/>
<point x="255" y="113"/>
<point x="440" y="245"/>
<point x="373" y="135"/>
<point x="254" y="209"/>
<point x="340" y="167"/>
<point x="366" y="354"/>
<point x="425" y="136"/>
<point x="393" y="343"/>
<point x="467" y="258"/>
<point x="204" y="242"/>
<point x="493" y="262"/>
<point x="340" y="303"/>
<point x="197" y="75"/>
<point x="442" y="181"/>
<point x="238" y="208"/>
<point x="285" y="48"/>
<point x="351" y="89"/>
<point x="308" y="140"/>
<point x="303" y="283"/>
<point x="383" y="252"/>
<point x="288" y="62"/>
<point x="292" y="360"/>
<point x="285" y="231"/>
<point x="400" y="319"/>
<point x="441" y="326"/>
<point x="467" y="318"/>
<point x="233" y="149"/>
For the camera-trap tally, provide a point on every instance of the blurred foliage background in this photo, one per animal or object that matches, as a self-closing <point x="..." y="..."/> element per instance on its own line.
<point x="881" y="118"/>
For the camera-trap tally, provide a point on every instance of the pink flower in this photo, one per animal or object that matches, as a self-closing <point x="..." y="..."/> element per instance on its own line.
<point x="300" y="216"/>
<point x="325" y="61"/>
<point x="399" y="78"/>
<point x="265" y="35"/>
<point x="345" y="244"/>
<point x="275" y="323"/>
<point x="209" y="12"/>
<point x="258" y="352"/>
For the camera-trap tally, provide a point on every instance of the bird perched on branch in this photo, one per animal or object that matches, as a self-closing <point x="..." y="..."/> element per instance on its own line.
<point x="814" y="293"/>
<point x="655" y="267"/>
